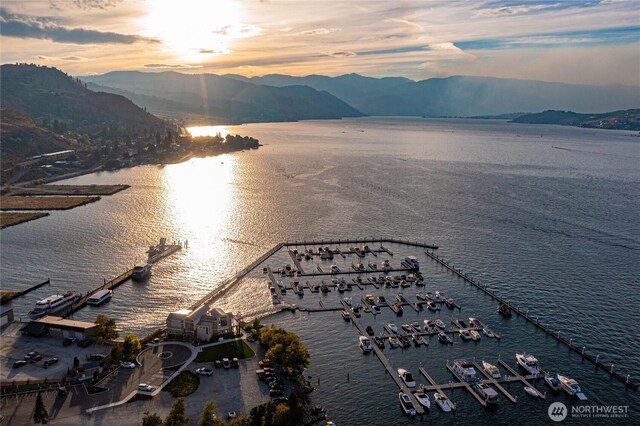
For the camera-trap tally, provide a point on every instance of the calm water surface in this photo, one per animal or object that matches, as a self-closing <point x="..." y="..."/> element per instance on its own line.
<point x="546" y="215"/>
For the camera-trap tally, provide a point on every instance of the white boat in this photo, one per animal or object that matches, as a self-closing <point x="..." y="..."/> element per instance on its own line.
<point x="465" y="370"/>
<point x="365" y="344"/>
<point x="385" y="266"/>
<point x="464" y="334"/>
<point x="474" y="335"/>
<point x="423" y="398"/>
<point x="407" y="378"/>
<point x="99" y="297"/>
<point x="411" y="263"/>
<point x="394" y="342"/>
<point x="531" y="391"/>
<point x="528" y="362"/>
<point x="488" y="333"/>
<point x="553" y="382"/>
<point x="407" y="406"/>
<point x="347" y="301"/>
<point x="392" y="327"/>
<point x="140" y="273"/>
<point x="487" y="393"/>
<point x="571" y="387"/>
<point x="491" y="369"/>
<point x="53" y="304"/>
<point x="439" y="297"/>
<point x="335" y="269"/>
<point x="441" y="402"/>
<point x="438" y="323"/>
<point x="432" y="306"/>
<point x="346" y="316"/>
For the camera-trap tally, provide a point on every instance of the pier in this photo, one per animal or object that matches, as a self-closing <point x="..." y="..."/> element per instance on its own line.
<point x="555" y="334"/>
<point x="10" y="295"/>
<point x="436" y="387"/>
<point x="387" y="365"/>
<point x="468" y="387"/>
<point x="521" y="378"/>
<point x="493" y="381"/>
<point x="168" y="250"/>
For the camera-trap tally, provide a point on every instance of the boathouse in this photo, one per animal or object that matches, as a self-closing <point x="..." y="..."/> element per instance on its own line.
<point x="59" y="327"/>
<point x="6" y="316"/>
<point x="203" y="323"/>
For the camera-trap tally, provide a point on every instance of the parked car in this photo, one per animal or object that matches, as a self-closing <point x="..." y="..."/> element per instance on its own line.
<point x="265" y="363"/>
<point x="280" y="400"/>
<point x="217" y="363"/>
<point x="145" y="387"/>
<point x="204" y="371"/>
<point x="232" y="415"/>
<point x="62" y="391"/>
<point x="20" y="363"/>
<point x="226" y="363"/>
<point x="68" y="341"/>
<point x="50" y="361"/>
<point x="276" y="392"/>
<point x="96" y="357"/>
<point x="31" y="355"/>
<point x="36" y="358"/>
<point x="85" y="342"/>
<point x="235" y="362"/>
<point x="127" y="364"/>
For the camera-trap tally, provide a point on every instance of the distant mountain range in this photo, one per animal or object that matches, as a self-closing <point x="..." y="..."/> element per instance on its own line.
<point x="623" y="120"/>
<point x="279" y="97"/>
<point x="220" y="98"/>
<point x="47" y="94"/>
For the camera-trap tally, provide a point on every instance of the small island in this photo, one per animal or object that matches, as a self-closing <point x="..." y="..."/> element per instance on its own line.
<point x="615" y="120"/>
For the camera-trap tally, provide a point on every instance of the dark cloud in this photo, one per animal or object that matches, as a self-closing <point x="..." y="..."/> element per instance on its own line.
<point x="342" y="54"/>
<point x="85" y="4"/>
<point x="66" y="58"/>
<point x="25" y="26"/>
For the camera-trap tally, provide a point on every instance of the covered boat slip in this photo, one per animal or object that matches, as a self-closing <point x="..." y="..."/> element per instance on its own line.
<point x="59" y="327"/>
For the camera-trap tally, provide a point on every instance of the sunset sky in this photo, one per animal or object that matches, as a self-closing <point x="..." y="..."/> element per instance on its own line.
<point x="593" y="42"/>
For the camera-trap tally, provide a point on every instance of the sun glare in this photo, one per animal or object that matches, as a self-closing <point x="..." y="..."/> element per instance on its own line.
<point x="198" y="131"/>
<point x="194" y="30"/>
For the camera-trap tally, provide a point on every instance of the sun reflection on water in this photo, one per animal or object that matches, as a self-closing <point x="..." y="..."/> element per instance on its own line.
<point x="197" y="131"/>
<point x="200" y="200"/>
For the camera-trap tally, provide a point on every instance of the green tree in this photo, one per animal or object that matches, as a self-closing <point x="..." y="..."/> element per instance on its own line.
<point x="40" y="414"/>
<point x="106" y="327"/>
<point x="282" y="416"/>
<point x="130" y="347"/>
<point x="208" y="415"/>
<point x="176" y="416"/>
<point x="151" y="419"/>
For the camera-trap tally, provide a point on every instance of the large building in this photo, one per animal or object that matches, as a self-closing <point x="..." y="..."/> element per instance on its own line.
<point x="6" y="316"/>
<point x="60" y="327"/>
<point x="203" y="323"/>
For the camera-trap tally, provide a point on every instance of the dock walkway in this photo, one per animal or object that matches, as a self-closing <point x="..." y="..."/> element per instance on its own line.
<point x="435" y="386"/>
<point x="387" y="365"/>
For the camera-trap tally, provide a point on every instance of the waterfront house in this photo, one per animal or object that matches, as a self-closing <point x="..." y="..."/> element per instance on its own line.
<point x="203" y="323"/>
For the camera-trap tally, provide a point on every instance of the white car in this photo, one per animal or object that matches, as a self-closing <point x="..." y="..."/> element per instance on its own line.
<point x="204" y="371"/>
<point x="127" y="365"/>
<point x="145" y="387"/>
<point x="226" y="363"/>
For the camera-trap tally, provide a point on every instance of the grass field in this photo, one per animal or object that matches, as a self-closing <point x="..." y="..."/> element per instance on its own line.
<point x="13" y="218"/>
<point x="69" y="190"/>
<point x="43" y="203"/>
<point x="184" y="384"/>
<point x="236" y="349"/>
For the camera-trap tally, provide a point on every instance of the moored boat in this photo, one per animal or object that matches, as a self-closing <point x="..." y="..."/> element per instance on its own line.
<point x="423" y="398"/>
<point x="528" y="362"/>
<point x="53" y="304"/>
<point x="346" y="316"/>
<point x="444" y="338"/>
<point x="474" y="335"/>
<point x="405" y="403"/>
<point x="99" y="297"/>
<point x="394" y="342"/>
<point x="438" y="323"/>
<point x="364" y="344"/>
<point x="442" y="402"/>
<point x="571" y="387"/>
<point x="487" y="393"/>
<point x="378" y="341"/>
<point x="504" y="310"/>
<point x="491" y="369"/>
<point x="141" y="272"/>
<point x="531" y="391"/>
<point x="464" y="335"/>
<point x="407" y="378"/>
<point x="552" y="381"/>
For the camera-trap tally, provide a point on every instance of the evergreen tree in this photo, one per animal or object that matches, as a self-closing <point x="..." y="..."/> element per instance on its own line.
<point x="151" y="419"/>
<point x="208" y="415"/>
<point x="176" y="416"/>
<point x="40" y="414"/>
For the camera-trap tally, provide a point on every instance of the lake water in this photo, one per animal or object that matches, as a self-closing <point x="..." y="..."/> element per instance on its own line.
<point x="546" y="215"/>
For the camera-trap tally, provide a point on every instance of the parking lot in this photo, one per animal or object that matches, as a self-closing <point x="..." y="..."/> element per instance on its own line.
<point x="14" y="347"/>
